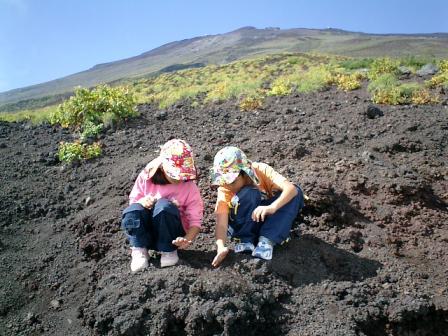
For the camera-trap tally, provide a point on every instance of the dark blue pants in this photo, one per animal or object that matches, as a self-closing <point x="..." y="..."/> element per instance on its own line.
<point x="153" y="229"/>
<point x="275" y="227"/>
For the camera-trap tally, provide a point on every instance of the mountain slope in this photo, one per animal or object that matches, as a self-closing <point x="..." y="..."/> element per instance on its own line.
<point x="244" y="42"/>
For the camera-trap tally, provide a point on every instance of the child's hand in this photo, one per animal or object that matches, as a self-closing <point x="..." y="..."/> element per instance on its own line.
<point x="175" y="202"/>
<point x="181" y="242"/>
<point x="148" y="201"/>
<point x="221" y="253"/>
<point x="260" y="212"/>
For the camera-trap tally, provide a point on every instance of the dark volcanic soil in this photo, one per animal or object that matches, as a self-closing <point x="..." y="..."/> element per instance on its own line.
<point x="367" y="257"/>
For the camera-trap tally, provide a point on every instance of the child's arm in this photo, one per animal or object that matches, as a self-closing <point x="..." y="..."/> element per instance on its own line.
<point x="222" y="221"/>
<point x="289" y="191"/>
<point x="137" y="192"/>
<point x="194" y="212"/>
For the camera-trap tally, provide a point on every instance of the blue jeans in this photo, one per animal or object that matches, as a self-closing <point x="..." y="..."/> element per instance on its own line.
<point x="153" y="229"/>
<point x="275" y="227"/>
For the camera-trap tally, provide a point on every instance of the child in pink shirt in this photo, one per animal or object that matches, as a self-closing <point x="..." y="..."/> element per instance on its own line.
<point x="166" y="208"/>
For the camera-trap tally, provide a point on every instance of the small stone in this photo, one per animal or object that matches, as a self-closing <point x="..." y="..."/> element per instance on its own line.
<point x="55" y="304"/>
<point x="161" y="115"/>
<point x="367" y="156"/>
<point x="373" y="112"/>
<point x="88" y="201"/>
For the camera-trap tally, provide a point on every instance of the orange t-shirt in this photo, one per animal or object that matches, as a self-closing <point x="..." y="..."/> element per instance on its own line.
<point x="269" y="182"/>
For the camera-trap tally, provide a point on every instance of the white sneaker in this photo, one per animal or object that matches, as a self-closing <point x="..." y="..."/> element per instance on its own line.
<point x="264" y="249"/>
<point x="169" y="259"/>
<point x="139" y="258"/>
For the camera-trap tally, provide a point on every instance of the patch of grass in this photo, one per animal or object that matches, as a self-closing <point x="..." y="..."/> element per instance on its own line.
<point x="37" y="116"/>
<point x="415" y="62"/>
<point x="228" y="89"/>
<point x="357" y="63"/>
<point x="386" y="89"/>
<point x="316" y="78"/>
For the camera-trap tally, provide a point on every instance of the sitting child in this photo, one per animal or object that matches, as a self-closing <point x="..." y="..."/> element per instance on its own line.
<point x="256" y="205"/>
<point x="166" y="208"/>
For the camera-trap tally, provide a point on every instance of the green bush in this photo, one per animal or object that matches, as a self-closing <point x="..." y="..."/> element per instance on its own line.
<point x="386" y="89"/>
<point x="76" y="151"/>
<point x="90" y="130"/>
<point x="88" y="107"/>
<point x="416" y="62"/>
<point x="316" y="78"/>
<point x="88" y="111"/>
<point x="440" y="79"/>
<point x="251" y="103"/>
<point x="357" y="63"/>
<point x="280" y="87"/>
<point x="383" y="82"/>
<point x="383" y="66"/>
<point x="349" y="82"/>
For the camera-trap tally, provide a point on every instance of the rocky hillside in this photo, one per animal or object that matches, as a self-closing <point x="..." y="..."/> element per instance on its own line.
<point x="368" y="256"/>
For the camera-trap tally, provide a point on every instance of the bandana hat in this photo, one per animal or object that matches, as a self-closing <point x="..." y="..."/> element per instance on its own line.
<point x="177" y="160"/>
<point x="228" y="164"/>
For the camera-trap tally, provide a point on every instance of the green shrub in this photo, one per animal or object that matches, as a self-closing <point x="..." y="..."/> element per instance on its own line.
<point x="387" y="90"/>
<point x="314" y="79"/>
<point x="383" y="82"/>
<point x="297" y="60"/>
<point x="251" y="103"/>
<point x="357" y="63"/>
<point x="88" y="111"/>
<point x="76" y="151"/>
<point x="440" y="79"/>
<point x="89" y="106"/>
<point x="443" y="65"/>
<point x="384" y="90"/>
<point x="382" y="66"/>
<point x="280" y="87"/>
<point x="423" y="96"/>
<point x="90" y="130"/>
<point x="416" y="62"/>
<point x="349" y="82"/>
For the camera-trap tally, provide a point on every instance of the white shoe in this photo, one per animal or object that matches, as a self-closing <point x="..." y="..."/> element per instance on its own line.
<point x="139" y="258"/>
<point x="169" y="259"/>
<point x="264" y="249"/>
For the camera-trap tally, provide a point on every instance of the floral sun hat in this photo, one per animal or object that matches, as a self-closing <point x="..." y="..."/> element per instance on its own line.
<point x="228" y="164"/>
<point x="177" y="160"/>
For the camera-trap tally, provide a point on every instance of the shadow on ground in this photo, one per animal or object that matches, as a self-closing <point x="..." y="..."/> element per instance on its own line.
<point x="310" y="260"/>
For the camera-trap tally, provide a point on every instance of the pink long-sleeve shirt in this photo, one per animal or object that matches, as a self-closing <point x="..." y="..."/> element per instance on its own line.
<point x="185" y="195"/>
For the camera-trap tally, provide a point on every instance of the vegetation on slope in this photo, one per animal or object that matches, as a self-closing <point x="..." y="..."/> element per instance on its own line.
<point x="250" y="81"/>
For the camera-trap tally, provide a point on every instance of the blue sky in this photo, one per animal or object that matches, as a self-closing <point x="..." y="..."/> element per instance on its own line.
<point x="41" y="40"/>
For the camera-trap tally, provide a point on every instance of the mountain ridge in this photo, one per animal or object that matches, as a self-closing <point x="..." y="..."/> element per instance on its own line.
<point x="237" y="44"/>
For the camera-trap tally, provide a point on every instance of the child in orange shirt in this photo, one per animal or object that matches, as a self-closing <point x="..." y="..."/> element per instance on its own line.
<point x="255" y="204"/>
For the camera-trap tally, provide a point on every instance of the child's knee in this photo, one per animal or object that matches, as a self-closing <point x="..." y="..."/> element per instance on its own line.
<point x="163" y="205"/>
<point x="132" y="218"/>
